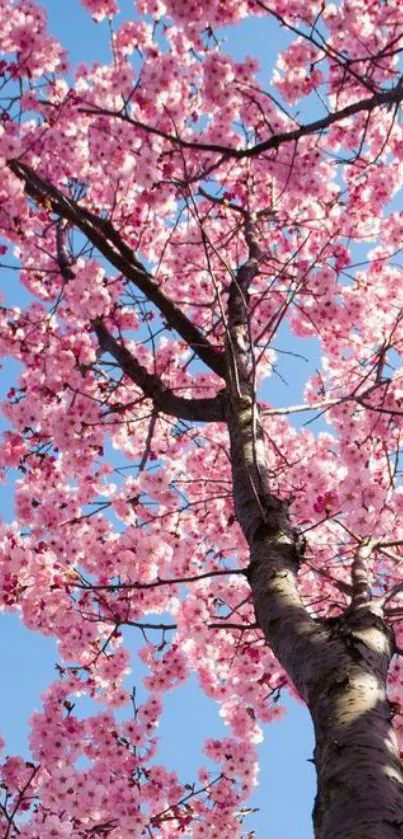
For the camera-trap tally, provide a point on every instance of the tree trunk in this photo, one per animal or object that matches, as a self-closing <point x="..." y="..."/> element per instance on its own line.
<point x="340" y="668"/>
<point x="360" y="782"/>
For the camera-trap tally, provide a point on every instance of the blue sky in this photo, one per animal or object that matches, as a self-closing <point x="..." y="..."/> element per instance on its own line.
<point x="287" y="785"/>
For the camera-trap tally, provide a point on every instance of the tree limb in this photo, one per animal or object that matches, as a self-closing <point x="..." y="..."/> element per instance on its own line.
<point x="361" y="592"/>
<point x="195" y="410"/>
<point x="203" y="410"/>
<point x="388" y="97"/>
<point x="108" y="241"/>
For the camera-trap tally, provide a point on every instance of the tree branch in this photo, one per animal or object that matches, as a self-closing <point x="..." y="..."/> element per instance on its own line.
<point x="361" y="588"/>
<point x="107" y="240"/>
<point x="388" y="97"/>
<point x="193" y="578"/>
<point x="195" y="410"/>
<point x="203" y="410"/>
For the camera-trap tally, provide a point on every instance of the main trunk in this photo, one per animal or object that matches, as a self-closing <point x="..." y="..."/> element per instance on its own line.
<point x="360" y="783"/>
<point x="340" y="669"/>
<point x="339" y="666"/>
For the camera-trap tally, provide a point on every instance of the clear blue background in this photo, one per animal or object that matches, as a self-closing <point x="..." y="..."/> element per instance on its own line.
<point x="287" y="783"/>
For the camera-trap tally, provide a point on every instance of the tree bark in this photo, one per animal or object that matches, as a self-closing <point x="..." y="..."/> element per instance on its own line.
<point x="360" y="782"/>
<point x="339" y="667"/>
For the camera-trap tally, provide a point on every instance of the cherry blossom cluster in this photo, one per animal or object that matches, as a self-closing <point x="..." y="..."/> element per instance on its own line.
<point x="124" y="518"/>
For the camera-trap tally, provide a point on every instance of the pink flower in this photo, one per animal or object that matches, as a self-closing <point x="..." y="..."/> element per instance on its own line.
<point x="326" y="503"/>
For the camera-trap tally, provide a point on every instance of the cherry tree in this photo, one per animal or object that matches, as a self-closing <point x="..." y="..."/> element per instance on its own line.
<point x="169" y="214"/>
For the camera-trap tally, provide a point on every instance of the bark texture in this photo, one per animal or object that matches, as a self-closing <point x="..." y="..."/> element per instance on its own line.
<point x="360" y="783"/>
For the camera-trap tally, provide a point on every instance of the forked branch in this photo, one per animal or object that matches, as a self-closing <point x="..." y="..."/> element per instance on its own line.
<point x="164" y="399"/>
